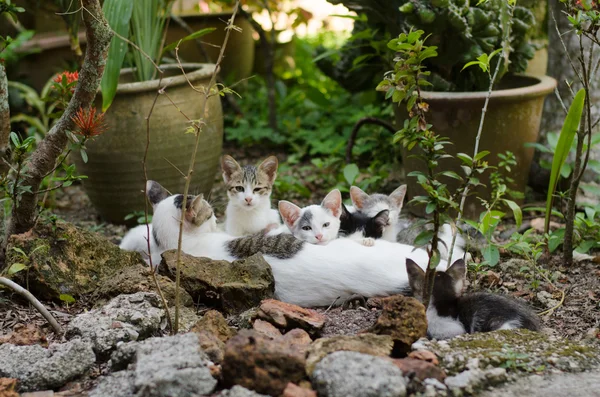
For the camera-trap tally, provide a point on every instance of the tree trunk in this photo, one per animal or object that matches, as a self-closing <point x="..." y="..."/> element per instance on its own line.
<point x="43" y="159"/>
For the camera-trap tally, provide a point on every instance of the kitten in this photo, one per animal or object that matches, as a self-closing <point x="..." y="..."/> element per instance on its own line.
<point x="371" y="205"/>
<point x="450" y="313"/>
<point x="164" y="234"/>
<point x="249" y="190"/>
<point x="357" y="225"/>
<point x="305" y="274"/>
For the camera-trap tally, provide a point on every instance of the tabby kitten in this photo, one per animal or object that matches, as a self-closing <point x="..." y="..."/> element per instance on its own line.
<point x="249" y="190"/>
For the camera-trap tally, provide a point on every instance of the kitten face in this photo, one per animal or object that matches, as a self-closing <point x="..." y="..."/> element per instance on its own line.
<point x="352" y="222"/>
<point x="373" y="204"/>
<point x="448" y="285"/>
<point x="249" y="187"/>
<point x="315" y="224"/>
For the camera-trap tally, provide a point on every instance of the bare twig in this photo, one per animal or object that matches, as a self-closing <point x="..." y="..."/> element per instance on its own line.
<point x="33" y="300"/>
<point x="4" y="118"/>
<point x="356" y="128"/>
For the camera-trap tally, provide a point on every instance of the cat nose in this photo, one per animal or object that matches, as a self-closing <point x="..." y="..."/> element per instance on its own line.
<point x="248" y="199"/>
<point x="319" y="236"/>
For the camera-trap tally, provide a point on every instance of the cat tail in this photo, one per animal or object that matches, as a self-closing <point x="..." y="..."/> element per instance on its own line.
<point x="445" y="235"/>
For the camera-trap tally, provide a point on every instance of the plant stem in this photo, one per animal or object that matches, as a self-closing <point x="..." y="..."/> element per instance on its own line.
<point x="188" y="177"/>
<point x="4" y="119"/>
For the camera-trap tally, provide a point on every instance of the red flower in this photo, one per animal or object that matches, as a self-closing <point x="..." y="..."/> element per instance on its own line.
<point x="88" y="123"/>
<point x="71" y="77"/>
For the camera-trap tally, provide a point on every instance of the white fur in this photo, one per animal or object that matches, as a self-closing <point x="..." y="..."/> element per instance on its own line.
<point x="443" y="327"/>
<point x="324" y="226"/>
<point x="511" y="324"/>
<point x="243" y="218"/>
<point x="136" y="240"/>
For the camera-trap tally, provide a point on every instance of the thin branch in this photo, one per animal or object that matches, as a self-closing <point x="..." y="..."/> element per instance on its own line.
<point x="174" y="166"/>
<point x="356" y="128"/>
<point x="33" y="300"/>
<point x="565" y="47"/>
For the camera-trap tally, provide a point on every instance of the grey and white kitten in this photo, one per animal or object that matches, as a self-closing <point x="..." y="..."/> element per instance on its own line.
<point x="249" y="190"/>
<point x="450" y="313"/>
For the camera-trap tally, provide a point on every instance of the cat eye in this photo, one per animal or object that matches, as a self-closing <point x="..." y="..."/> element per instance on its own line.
<point x="326" y="224"/>
<point x="257" y="189"/>
<point x="239" y="188"/>
<point x="306" y="228"/>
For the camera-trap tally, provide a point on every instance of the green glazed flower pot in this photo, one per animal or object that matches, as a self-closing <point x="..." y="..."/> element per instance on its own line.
<point x="114" y="169"/>
<point x="512" y="119"/>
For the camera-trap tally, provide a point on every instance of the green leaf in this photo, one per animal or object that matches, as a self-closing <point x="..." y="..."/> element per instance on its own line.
<point x="193" y="36"/>
<point x="481" y="155"/>
<point x="16" y="268"/>
<point x="350" y="173"/>
<point x="20" y="251"/>
<point x="491" y="254"/>
<point x="423" y="238"/>
<point x="117" y="14"/>
<point x="567" y="135"/>
<point x="434" y="261"/>
<point x="66" y="298"/>
<point x="84" y="155"/>
<point x="518" y="214"/>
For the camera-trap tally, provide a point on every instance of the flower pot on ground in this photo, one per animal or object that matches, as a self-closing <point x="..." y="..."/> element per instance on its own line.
<point x="512" y="119"/>
<point x="238" y="61"/>
<point x="114" y="169"/>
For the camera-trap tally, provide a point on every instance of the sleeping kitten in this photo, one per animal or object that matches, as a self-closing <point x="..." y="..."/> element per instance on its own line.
<point x="357" y="225"/>
<point x="305" y="274"/>
<point x="249" y="190"/>
<point x="450" y="313"/>
<point x="165" y="234"/>
<point x="371" y="205"/>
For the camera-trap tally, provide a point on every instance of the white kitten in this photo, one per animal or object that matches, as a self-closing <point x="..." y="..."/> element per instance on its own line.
<point x="249" y="190"/>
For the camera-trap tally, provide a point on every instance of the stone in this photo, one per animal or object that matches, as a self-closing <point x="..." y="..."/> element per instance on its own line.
<point x="288" y="316"/>
<point x="375" y="345"/>
<point x="243" y="320"/>
<point x="424" y="355"/>
<point x="260" y="363"/>
<point x="239" y="391"/>
<point x="125" y="318"/>
<point x="117" y="384"/>
<point x="64" y="259"/>
<point x="187" y="317"/>
<point x="473" y="380"/>
<point x="172" y="366"/>
<point x="293" y="390"/>
<point x="37" y="368"/>
<point x="352" y="374"/>
<point x="420" y="369"/>
<point x="266" y="328"/>
<point x="138" y="278"/>
<point x="298" y="338"/>
<point x="24" y="335"/>
<point x="214" y="322"/>
<point x="552" y="385"/>
<point x="211" y="345"/>
<point x="402" y="318"/>
<point x="7" y="387"/>
<point x="231" y="286"/>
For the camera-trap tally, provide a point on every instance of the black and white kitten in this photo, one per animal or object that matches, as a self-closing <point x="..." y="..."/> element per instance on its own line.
<point x="360" y="225"/>
<point x="450" y="313"/>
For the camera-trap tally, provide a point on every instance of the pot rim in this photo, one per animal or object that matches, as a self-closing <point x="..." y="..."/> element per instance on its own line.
<point x="201" y="71"/>
<point x="543" y="87"/>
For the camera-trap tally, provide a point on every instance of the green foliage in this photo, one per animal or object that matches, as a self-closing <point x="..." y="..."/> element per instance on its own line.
<point x="139" y="216"/>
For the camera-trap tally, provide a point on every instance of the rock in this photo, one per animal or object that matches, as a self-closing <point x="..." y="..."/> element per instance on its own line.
<point x="125" y="318"/>
<point x="266" y="328"/>
<point x="64" y="259"/>
<point x="243" y="320"/>
<point x="288" y="316"/>
<point x="293" y="390"/>
<point x="239" y="391"/>
<point x="424" y="355"/>
<point x="474" y="380"/>
<point x="187" y="318"/>
<point x="547" y="299"/>
<point x="214" y="322"/>
<point x="403" y="319"/>
<point x="7" y="387"/>
<point x="298" y="338"/>
<point x="552" y="385"/>
<point x="420" y="369"/>
<point x="117" y="384"/>
<point x="260" y="363"/>
<point x="232" y="286"/>
<point x="37" y="368"/>
<point x="138" y="278"/>
<point x="375" y="345"/>
<point x="352" y="374"/>
<point x="211" y="345"/>
<point x="172" y="366"/>
<point x="25" y="335"/>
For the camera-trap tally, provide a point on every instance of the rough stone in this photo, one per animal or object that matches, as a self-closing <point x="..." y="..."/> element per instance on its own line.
<point x="125" y="318"/>
<point x="24" y="335"/>
<point x="420" y="369"/>
<point x="352" y="374"/>
<point x="187" y="317"/>
<point x="239" y="391"/>
<point x="37" y="368"/>
<point x="403" y="319"/>
<point x="288" y="316"/>
<point x="232" y="286"/>
<point x="117" y="384"/>
<point x="243" y="320"/>
<point x="474" y="380"/>
<point x="293" y="390"/>
<point x="552" y="385"/>
<point x="214" y="322"/>
<point x="298" y="338"/>
<point x="64" y="259"/>
<point x="375" y="345"/>
<point x="7" y="387"/>
<point x="266" y="328"/>
<point x="138" y="278"/>
<point x="211" y="345"/>
<point x="260" y="363"/>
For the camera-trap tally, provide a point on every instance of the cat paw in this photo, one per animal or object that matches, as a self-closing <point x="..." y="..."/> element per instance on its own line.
<point x="354" y="302"/>
<point x="270" y="227"/>
<point x="368" y="242"/>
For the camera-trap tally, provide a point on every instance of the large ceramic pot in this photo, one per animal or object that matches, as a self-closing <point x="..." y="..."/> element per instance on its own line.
<point x="114" y="169"/>
<point x="239" y="55"/>
<point x="512" y="119"/>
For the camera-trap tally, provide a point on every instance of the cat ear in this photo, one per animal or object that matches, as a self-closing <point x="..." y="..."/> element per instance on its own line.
<point x="345" y="213"/>
<point x="194" y="208"/>
<point x="416" y="276"/>
<point x="382" y="219"/>
<point x="458" y="274"/>
<point x="358" y="197"/>
<point x="229" y="166"/>
<point x="289" y="212"/>
<point x="333" y="202"/>
<point x="397" y="196"/>
<point x="269" y="167"/>
<point x="155" y="192"/>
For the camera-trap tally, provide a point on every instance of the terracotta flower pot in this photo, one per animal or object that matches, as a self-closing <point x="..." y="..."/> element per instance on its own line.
<point x="114" y="170"/>
<point x="513" y="118"/>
